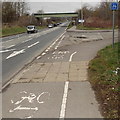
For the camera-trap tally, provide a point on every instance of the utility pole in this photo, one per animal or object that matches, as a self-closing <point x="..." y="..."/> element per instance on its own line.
<point x="81" y="12"/>
<point x="82" y="15"/>
<point x="113" y="27"/>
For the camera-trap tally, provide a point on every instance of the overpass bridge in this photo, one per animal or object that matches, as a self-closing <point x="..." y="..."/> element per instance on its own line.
<point x="48" y="15"/>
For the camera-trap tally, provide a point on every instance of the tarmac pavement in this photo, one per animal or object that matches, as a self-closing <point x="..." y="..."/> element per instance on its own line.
<point x="55" y="84"/>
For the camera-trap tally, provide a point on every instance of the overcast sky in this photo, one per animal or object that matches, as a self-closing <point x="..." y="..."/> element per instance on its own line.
<point x="59" y="6"/>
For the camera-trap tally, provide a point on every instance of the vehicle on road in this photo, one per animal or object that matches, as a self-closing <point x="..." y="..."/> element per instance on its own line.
<point x="31" y="29"/>
<point x="55" y="25"/>
<point x="50" y="26"/>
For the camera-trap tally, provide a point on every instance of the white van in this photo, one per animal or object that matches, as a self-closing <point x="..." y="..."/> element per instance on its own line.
<point x="31" y="29"/>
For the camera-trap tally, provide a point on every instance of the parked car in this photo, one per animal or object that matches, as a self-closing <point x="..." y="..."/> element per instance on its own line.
<point x="58" y="23"/>
<point x="31" y="29"/>
<point x="55" y="25"/>
<point x="50" y="26"/>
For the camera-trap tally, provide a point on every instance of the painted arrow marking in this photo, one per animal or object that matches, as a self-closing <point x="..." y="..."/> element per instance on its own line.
<point x="16" y="53"/>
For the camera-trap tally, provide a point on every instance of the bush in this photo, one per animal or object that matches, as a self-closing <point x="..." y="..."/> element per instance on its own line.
<point x="98" y="23"/>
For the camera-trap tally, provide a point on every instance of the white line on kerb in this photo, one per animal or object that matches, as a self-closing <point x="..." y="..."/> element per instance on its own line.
<point x="64" y="100"/>
<point x="72" y="56"/>
<point x="38" y="57"/>
<point x="55" y="42"/>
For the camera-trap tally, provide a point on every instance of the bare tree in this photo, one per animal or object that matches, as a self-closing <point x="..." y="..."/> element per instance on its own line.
<point x="11" y="11"/>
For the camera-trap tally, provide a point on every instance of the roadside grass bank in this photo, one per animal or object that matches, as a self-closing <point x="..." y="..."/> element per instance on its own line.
<point x="80" y="27"/>
<point x="70" y="26"/>
<point x="103" y="74"/>
<point x="6" y="31"/>
<point x="12" y="30"/>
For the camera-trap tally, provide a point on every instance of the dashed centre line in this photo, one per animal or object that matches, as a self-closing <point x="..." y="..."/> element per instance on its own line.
<point x="3" y="51"/>
<point x="27" y="40"/>
<point x="33" y="44"/>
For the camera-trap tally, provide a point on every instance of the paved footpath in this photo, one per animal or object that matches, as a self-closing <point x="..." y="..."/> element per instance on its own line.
<point x="55" y="84"/>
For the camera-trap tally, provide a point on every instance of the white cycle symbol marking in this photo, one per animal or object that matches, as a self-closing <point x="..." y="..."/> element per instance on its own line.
<point x="30" y="98"/>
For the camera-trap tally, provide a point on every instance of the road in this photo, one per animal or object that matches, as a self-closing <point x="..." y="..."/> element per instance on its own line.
<point x="20" y="49"/>
<point x="55" y="84"/>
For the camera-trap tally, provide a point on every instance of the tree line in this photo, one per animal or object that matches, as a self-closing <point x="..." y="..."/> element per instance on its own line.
<point x="12" y="11"/>
<point x="100" y="16"/>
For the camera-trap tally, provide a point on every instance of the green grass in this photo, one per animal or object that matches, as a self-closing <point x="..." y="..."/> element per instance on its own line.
<point x="69" y="26"/>
<point x="80" y="27"/>
<point x="105" y="81"/>
<point x="15" y="30"/>
<point x="41" y="27"/>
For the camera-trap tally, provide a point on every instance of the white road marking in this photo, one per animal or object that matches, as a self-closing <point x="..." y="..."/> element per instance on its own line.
<point x="56" y="41"/>
<point x="24" y="91"/>
<point x="59" y="42"/>
<point x="10" y="46"/>
<point x="31" y="99"/>
<point x="7" y="41"/>
<point x="46" y="50"/>
<point x="28" y="117"/>
<point x="16" y="53"/>
<point x="56" y="47"/>
<point x="43" y="54"/>
<point x="53" y="53"/>
<point x="12" y="101"/>
<point x="72" y="56"/>
<point x="33" y="44"/>
<point x="64" y="100"/>
<point x="3" y="51"/>
<point x="38" y="57"/>
<point x="23" y="108"/>
<point x="27" y="40"/>
<point x="38" y="98"/>
<point x="62" y="37"/>
<point x="101" y="36"/>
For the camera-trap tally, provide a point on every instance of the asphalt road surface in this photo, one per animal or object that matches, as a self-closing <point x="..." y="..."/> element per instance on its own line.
<point x="19" y="50"/>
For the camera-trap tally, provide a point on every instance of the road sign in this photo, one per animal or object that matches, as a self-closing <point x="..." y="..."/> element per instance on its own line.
<point x="114" y="6"/>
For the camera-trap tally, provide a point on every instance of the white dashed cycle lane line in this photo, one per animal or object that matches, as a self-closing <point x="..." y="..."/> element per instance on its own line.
<point x="48" y="49"/>
<point x="65" y="94"/>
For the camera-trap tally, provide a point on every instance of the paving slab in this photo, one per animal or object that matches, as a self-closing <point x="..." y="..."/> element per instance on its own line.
<point x="81" y="102"/>
<point x="36" y="100"/>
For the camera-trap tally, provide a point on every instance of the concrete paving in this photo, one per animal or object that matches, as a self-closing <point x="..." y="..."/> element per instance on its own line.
<point x="54" y="72"/>
<point x="81" y="101"/>
<point x="55" y="84"/>
<point x="34" y="100"/>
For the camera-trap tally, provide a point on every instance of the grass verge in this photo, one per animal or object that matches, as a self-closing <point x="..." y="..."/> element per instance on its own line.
<point x="15" y="30"/>
<point x="80" y="27"/>
<point x="104" y="77"/>
<point x="70" y="26"/>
